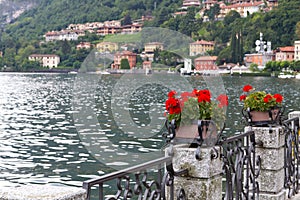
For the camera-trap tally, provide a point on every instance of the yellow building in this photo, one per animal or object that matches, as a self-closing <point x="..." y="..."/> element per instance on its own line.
<point x="148" y="53"/>
<point x="150" y="47"/>
<point x="107" y="47"/>
<point x="200" y="47"/>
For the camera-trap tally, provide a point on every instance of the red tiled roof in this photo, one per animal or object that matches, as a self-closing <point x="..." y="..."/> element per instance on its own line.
<point x="287" y="49"/>
<point x="207" y="58"/>
<point x="127" y="53"/>
<point x="209" y="2"/>
<point x="203" y="42"/>
<point x="237" y="5"/>
<point x="43" y="55"/>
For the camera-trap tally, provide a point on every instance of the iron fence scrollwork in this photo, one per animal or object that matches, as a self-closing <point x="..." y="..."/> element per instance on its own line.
<point x="135" y="182"/>
<point x="291" y="156"/>
<point x="241" y="166"/>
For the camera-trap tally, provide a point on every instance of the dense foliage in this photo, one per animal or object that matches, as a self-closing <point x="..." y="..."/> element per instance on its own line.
<point x="233" y="35"/>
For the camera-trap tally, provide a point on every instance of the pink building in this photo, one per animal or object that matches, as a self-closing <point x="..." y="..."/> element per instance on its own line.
<point x="130" y="56"/>
<point x="206" y="63"/>
<point x="285" y="53"/>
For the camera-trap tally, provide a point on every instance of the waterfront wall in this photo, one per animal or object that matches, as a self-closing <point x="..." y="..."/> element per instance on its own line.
<point x="42" y="192"/>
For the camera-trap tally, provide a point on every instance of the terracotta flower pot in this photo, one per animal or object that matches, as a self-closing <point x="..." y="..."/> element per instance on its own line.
<point x="257" y="116"/>
<point x="264" y="118"/>
<point x="190" y="133"/>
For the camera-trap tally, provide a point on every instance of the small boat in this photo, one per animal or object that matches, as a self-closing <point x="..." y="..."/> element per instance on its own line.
<point x="72" y="72"/>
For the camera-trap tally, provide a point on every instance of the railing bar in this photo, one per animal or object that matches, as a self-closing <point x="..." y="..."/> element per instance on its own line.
<point x="160" y="174"/>
<point x="129" y="170"/>
<point x="290" y="120"/>
<point x="101" y="194"/>
<point x="236" y="137"/>
<point x="172" y="192"/>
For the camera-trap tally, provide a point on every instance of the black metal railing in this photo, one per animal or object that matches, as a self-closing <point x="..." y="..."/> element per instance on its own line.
<point x="241" y="166"/>
<point x="139" y="186"/>
<point x="291" y="156"/>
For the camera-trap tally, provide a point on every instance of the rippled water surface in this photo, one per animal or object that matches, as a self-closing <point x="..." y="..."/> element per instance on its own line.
<point x="39" y="140"/>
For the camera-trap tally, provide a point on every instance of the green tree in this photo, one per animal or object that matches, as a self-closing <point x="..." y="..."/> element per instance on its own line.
<point x="297" y="31"/>
<point x="24" y="53"/>
<point x="231" y="17"/>
<point x="296" y="66"/>
<point x="156" y="54"/>
<point x="9" y="58"/>
<point x="254" y="67"/>
<point x="28" y="65"/>
<point x="236" y="46"/>
<point x="284" y="64"/>
<point x="224" y="56"/>
<point x="65" y="47"/>
<point x="213" y="12"/>
<point x="127" y="20"/>
<point x="125" y="64"/>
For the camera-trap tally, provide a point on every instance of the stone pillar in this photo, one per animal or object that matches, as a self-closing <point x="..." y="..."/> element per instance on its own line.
<point x="271" y="152"/>
<point x="45" y="192"/>
<point x="204" y="180"/>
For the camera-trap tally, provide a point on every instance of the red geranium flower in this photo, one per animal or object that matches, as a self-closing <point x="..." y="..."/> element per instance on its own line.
<point x="172" y="94"/>
<point x="278" y="98"/>
<point x="185" y="96"/>
<point x="243" y="97"/>
<point x="204" y="96"/>
<point x="202" y="110"/>
<point x="196" y="92"/>
<point x="223" y="99"/>
<point x="267" y="98"/>
<point x="247" y="88"/>
<point x="171" y="103"/>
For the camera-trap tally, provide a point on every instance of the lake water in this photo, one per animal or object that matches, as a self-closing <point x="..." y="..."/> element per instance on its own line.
<point x="63" y="129"/>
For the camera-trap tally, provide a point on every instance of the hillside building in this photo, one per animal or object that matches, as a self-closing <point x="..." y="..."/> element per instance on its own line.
<point x="62" y="35"/>
<point x="285" y="53"/>
<point x="244" y="9"/>
<point x="150" y="47"/>
<point x="297" y="50"/>
<point x="46" y="60"/>
<point x="201" y="47"/>
<point x="205" y="63"/>
<point x="83" y="45"/>
<point x="132" y="28"/>
<point x="190" y="3"/>
<point x="107" y="47"/>
<point x="130" y="56"/>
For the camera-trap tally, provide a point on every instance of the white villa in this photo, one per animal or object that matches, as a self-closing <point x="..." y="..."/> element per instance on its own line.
<point x="297" y="50"/>
<point x="63" y="35"/>
<point x="46" y="60"/>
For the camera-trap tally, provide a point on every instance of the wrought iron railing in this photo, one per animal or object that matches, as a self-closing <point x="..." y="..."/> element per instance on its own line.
<point x="241" y="166"/>
<point x="291" y="156"/>
<point x="139" y="186"/>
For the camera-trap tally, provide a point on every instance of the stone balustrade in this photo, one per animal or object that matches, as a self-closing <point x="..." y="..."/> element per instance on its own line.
<point x="42" y="192"/>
